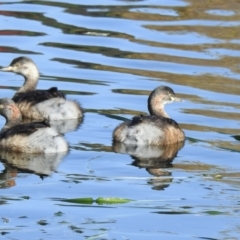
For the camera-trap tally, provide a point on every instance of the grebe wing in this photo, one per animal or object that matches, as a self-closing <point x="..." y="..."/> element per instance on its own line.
<point x="25" y="129"/>
<point x="38" y="96"/>
<point x="160" y="121"/>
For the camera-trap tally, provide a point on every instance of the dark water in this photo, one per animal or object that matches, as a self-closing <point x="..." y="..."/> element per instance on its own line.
<point x="109" y="55"/>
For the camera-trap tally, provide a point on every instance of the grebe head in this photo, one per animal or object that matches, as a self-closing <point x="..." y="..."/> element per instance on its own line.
<point x="28" y="69"/>
<point x="10" y="112"/>
<point x="158" y="98"/>
<point x="23" y="66"/>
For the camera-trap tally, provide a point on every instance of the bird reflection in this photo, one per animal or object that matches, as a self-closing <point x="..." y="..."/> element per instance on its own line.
<point x="40" y="164"/>
<point x="7" y="178"/>
<point x="154" y="159"/>
<point x="62" y="126"/>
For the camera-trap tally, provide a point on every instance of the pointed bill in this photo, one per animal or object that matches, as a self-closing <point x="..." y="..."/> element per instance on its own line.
<point x="176" y="99"/>
<point x="7" y="69"/>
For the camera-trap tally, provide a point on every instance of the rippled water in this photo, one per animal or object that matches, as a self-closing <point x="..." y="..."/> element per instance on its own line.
<point x="109" y="55"/>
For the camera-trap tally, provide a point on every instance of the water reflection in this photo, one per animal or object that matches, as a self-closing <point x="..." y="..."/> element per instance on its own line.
<point x="7" y="177"/>
<point x="40" y="164"/>
<point x="150" y="156"/>
<point x="62" y="126"/>
<point x="109" y="55"/>
<point x="154" y="159"/>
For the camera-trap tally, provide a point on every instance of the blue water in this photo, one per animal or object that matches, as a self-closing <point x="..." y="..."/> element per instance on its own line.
<point x="109" y="55"/>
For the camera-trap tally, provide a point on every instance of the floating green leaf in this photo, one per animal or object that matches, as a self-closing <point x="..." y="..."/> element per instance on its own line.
<point x="80" y="200"/>
<point x="112" y="200"/>
<point x="100" y="200"/>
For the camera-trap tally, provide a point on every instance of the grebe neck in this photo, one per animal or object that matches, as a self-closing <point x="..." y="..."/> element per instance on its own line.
<point x="160" y="112"/>
<point x="30" y="81"/>
<point x="13" y="116"/>
<point x="156" y="107"/>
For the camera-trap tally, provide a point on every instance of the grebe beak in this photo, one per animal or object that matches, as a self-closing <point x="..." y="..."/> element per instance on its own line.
<point x="176" y="99"/>
<point x="7" y="69"/>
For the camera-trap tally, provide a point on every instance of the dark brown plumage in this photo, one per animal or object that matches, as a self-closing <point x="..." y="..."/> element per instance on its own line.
<point x="24" y="129"/>
<point x="37" y="96"/>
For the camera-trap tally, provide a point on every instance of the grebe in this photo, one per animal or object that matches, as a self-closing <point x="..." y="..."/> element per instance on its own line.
<point x="35" y="137"/>
<point x="48" y="104"/>
<point x="156" y="129"/>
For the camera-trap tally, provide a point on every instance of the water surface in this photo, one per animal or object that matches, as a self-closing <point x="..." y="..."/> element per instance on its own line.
<point x="109" y="55"/>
